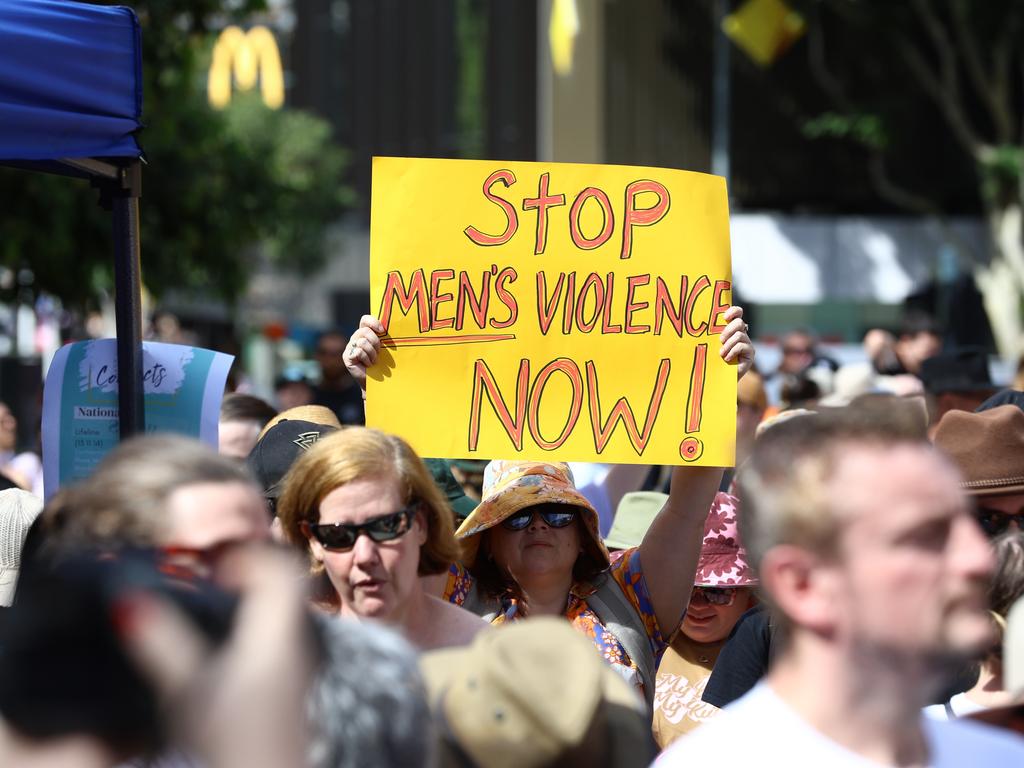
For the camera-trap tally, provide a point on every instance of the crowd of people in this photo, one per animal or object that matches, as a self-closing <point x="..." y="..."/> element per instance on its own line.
<point x="317" y="594"/>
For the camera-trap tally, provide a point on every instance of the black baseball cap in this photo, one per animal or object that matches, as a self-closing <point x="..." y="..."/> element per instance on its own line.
<point x="279" y="447"/>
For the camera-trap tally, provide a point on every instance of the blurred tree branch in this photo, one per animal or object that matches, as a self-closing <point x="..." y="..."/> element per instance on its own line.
<point x="967" y="59"/>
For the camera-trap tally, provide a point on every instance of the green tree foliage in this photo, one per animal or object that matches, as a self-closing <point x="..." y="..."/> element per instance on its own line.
<point x="215" y="183"/>
<point x="894" y="73"/>
<point x="964" y="62"/>
<point x="928" y="95"/>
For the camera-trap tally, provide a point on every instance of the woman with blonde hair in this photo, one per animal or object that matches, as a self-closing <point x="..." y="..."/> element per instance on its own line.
<point x="363" y="506"/>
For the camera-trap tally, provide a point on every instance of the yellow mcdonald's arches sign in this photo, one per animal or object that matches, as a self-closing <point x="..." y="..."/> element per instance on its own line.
<point x="248" y="56"/>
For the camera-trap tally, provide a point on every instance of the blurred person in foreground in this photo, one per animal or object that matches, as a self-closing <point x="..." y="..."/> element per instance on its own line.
<point x="367" y="707"/>
<point x="534" y="695"/>
<point x="723" y="590"/>
<point x="364" y="508"/>
<point x="533" y="548"/>
<point x="159" y="491"/>
<point x="242" y="417"/>
<point x="876" y="572"/>
<point x="1006" y="588"/>
<point x="94" y="672"/>
<point x="988" y="449"/>
<point x="744" y="659"/>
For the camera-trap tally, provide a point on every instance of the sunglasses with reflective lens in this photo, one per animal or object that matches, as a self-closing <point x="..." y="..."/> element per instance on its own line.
<point x="341" y="537"/>
<point x="553" y="518"/>
<point x="721" y="596"/>
<point x="995" y="522"/>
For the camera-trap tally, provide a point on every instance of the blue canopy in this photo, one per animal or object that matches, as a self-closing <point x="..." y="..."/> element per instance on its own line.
<point x="70" y="103"/>
<point x="70" y="80"/>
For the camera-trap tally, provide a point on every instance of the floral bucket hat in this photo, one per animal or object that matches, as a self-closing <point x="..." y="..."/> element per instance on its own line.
<point x="723" y="560"/>
<point x="510" y="486"/>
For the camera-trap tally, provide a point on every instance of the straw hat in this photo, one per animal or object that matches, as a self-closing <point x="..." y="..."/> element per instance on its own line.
<point x="510" y="486"/>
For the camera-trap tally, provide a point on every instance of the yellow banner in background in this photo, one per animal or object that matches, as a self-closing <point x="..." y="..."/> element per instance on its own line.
<point x="551" y="311"/>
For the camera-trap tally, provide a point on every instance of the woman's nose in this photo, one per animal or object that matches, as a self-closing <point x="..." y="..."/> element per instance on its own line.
<point x="365" y="550"/>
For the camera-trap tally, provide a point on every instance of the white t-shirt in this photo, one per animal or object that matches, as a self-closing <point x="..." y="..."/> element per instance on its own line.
<point x="761" y="729"/>
<point x="959" y="705"/>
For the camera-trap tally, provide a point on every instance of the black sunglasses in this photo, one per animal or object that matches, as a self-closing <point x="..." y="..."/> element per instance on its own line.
<point x="995" y="522"/>
<point x="720" y="596"/>
<point x="553" y="518"/>
<point x="341" y="537"/>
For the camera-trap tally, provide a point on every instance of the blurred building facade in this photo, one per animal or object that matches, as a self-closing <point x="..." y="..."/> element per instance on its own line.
<point x="812" y="243"/>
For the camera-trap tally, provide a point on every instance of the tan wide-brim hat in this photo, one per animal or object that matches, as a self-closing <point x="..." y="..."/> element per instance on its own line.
<point x="510" y="486"/>
<point x="987" y="447"/>
<point x="633" y="516"/>
<point x="532" y="693"/>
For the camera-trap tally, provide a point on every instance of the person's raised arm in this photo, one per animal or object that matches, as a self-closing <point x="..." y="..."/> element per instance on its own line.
<point x="671" y="547"/>
<point x="240" y="705"/>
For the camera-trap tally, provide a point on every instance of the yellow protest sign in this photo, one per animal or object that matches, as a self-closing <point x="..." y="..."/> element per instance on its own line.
<point x="551" y="311"/>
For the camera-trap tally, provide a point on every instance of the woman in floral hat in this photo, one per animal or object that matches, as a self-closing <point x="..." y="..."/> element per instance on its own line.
<point x="723" y="589"/>
<point x="533" y="547"/>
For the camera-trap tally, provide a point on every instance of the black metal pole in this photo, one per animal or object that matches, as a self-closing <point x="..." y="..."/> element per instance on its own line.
<point x="128" y="300"/>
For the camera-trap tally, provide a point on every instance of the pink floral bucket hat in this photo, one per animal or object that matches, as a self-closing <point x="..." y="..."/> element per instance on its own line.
<point x="510" y="486"/>
<point x="723" y="560"/>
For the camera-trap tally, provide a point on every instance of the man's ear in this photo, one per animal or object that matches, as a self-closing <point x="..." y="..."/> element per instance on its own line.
<point x="801" y="585"/>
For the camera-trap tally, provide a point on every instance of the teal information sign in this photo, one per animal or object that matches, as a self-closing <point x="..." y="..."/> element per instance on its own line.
<point x="183" y="390"/>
